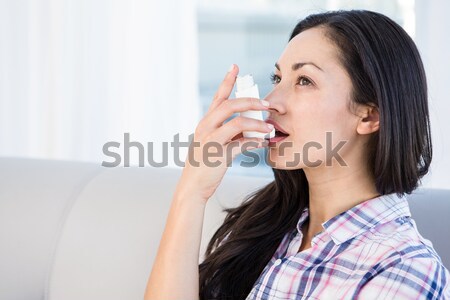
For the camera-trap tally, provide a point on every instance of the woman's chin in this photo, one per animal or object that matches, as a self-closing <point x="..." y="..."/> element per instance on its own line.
<point x="281" y="163"/>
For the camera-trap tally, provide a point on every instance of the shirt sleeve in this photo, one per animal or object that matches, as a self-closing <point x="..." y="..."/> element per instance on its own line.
<point x="413" y="278"/>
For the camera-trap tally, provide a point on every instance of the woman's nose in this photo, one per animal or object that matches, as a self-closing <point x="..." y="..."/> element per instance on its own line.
<point x="277" y="104"/>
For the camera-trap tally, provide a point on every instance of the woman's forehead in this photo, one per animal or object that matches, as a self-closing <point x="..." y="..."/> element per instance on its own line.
<point x="310" y="45"/>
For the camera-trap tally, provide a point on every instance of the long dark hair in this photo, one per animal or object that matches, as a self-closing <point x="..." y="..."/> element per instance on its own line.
<point x="386" y="71"/>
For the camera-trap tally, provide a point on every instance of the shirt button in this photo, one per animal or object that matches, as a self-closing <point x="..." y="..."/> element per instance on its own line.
<point x="277" y="262"/>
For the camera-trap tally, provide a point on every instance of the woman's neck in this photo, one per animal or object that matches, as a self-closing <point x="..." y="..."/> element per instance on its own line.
<point x="333" y="190"/>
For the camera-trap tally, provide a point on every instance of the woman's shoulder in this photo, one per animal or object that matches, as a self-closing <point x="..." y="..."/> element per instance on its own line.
<point x="403" y="236"/>
<point x="412" y="264"/>
<point x="411" y="277"/>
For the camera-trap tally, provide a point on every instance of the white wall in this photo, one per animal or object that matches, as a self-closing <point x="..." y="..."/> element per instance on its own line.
<point x="433" y="40"/>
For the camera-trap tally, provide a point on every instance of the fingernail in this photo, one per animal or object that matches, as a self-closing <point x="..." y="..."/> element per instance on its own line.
<point x="270" y="126"/>
<point x="265" y="103"/>
<point x="231" y="68"/>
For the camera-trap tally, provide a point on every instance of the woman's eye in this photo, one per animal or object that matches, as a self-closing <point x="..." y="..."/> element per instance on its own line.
<point x="275" y="78"/>
<point x="304" y="81"/>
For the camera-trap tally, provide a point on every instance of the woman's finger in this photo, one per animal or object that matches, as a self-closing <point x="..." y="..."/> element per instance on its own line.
<point x="236" y="147"/>
<point x="225" y="88"/>
<point x="226" y="109"/>
<point x="239" y="136"/>
<point x="231" y="129"/>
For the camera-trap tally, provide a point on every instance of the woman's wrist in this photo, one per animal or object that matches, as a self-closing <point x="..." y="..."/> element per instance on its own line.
<point x="185" y="192"/>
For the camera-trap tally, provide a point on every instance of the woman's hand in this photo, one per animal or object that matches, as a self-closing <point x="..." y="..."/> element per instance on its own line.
<point x="175" y="273"/>
<point x="216" y="144"/>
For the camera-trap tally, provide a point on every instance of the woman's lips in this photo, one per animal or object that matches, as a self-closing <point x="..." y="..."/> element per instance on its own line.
<point x="278" y="128"/>
<point x="277" y="139"/>
<point x="280" y="133"/>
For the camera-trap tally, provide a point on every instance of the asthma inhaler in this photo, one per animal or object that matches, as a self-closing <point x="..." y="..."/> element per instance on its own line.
<point x="246" y="87"/>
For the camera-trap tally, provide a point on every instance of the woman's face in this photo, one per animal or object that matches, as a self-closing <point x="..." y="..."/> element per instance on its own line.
<point x="310" y="101"/>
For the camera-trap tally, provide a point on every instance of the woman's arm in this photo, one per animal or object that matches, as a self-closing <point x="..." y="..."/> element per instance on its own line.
<point x="175" y="271"/>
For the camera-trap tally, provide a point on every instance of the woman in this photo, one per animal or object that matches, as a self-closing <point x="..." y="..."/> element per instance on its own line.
<point x="324" y="228"/>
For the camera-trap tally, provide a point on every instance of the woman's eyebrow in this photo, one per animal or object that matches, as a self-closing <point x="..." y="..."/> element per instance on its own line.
<point x="297" y="66"/>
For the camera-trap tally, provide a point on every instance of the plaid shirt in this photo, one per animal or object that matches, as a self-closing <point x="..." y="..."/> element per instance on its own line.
<point x="371" y="251"/>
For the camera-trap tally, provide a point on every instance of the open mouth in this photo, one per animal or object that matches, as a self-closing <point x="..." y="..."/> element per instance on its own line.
<point x="280" y="133"/>
<point x="279" y="136"/>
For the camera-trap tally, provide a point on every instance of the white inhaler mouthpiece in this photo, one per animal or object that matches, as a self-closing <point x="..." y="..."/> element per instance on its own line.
<point x="246" y="87"/>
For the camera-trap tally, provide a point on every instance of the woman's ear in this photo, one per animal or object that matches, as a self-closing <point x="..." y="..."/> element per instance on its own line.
<point x="369" y="121"/>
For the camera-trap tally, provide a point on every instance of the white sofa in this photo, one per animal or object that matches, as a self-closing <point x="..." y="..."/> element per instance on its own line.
<point x="79" y="231"/>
